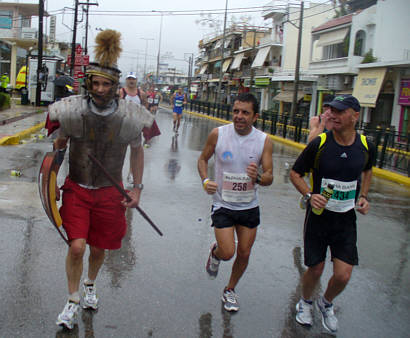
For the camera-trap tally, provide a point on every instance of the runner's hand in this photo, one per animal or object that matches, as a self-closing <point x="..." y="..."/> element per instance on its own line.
<point x="318" y="201"/>
<point x="135" y="199"/>
<point x="363" y="206"/>
<point x="252" y="171"/>
<point x="211" y="187"/>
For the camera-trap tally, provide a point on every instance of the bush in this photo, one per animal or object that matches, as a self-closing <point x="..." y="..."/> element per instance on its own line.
<point x="4" y="101"/>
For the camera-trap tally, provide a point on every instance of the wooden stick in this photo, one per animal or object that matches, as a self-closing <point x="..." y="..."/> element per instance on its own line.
<point x="124" y="193"/>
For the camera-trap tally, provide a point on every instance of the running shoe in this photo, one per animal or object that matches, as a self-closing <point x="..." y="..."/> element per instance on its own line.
<point x="68" y="318"/>
<point x="212" y="264"/>
<point x="230" y="300"/>
<point x="329" y="320"/>
<point x="90" y="298"/>
<point x="304" y="313"/>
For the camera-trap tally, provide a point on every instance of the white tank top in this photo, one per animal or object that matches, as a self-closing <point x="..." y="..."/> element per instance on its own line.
<point x="135" y="98"/>
<point x="233" y="154"/>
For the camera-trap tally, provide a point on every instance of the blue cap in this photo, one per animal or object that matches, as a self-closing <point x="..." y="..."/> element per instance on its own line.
<point x="342" y="102"/>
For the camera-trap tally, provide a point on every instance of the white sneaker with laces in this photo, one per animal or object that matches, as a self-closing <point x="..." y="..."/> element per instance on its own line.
<point x="90" y="298"/>
<point x="68" y="317"/>
<point x="212" y="264"/>
<point x="329" y="320"/>
<point x="230" y="300"/>
<point x="304" y="313"/>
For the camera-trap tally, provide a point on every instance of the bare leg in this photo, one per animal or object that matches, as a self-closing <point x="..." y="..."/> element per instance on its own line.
<point x="74" y="264"/>
<point x="246" y="238"/>
<point x="310" y="279"/>
<point x="95" y="261"/>
<point x="341" y="276"/>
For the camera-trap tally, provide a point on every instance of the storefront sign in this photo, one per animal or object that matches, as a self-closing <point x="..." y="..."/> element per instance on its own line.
<point x="404" y="95"/>
<point x="368" y="86"/>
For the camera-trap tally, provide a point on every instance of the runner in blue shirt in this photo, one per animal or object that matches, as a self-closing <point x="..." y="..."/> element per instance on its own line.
<point x="178" y="101"/>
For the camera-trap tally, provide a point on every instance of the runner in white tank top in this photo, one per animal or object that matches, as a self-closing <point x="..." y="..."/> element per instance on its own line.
<point x="239" y="151"/>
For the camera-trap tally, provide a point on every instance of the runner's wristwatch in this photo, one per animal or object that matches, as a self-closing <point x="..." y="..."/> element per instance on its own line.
<point x="139" y="186"/>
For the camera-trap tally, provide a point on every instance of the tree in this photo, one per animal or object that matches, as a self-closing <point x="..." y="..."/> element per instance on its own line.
<point x="344" y="7"/>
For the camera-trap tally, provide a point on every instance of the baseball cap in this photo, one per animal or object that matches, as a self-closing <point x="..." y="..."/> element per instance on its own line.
<point x="342" y="102"/>
<point x="327" y="99"/>
<point x="131" y="75"/>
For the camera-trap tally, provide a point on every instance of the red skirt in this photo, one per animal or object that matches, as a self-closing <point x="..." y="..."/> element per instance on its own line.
<point x="151" y="132"/>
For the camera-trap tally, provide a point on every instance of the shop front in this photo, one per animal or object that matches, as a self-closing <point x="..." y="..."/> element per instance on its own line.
<point x="404" y="102"/>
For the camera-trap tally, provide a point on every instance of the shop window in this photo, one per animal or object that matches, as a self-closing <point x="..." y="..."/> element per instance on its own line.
<point x="359" y="43"/>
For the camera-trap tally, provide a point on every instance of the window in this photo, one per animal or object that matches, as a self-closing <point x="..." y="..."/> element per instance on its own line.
<point x="6" y="19"/>
<point x="359" y="43"/>
<point x="334" y="51"/>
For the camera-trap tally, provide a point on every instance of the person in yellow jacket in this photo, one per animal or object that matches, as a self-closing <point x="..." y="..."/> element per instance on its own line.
<point x="4" y="81"/>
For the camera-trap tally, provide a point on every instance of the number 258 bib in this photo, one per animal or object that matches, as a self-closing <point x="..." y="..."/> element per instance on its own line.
<point x="237" y="188"/>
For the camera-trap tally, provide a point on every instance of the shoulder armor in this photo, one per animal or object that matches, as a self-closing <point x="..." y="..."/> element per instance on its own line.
<point x="68" y="112"/>
<point x="136" y="117"/>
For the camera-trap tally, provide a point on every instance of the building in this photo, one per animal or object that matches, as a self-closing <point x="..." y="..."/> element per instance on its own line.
<point x="16" y="35"/>
<point x="285" y="16"/>
<point x="367" y="53"/>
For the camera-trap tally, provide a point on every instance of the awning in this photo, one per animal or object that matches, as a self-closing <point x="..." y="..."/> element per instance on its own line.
<point x="287" y="96"/>
<point x="226" y="64"/>
<point x="218" y="44"/>
<point x="260" y="57"/>
<point x="262" y="81"/>
<point x="237" y="61"/>
<point x="368" y="85"/>
<point x="332" y="38"/>
<point x="203" y="69"/>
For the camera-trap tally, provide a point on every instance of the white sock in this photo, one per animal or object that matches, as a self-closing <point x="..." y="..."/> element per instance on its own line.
<point x="74" y="297"/>
<point x="89" y="281"/>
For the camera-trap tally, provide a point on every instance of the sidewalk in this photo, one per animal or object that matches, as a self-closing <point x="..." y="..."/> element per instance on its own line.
<point x="19" y="122"/>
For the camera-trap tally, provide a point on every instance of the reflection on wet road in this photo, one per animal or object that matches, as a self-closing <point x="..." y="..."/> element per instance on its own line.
<point x="157" y="286"/>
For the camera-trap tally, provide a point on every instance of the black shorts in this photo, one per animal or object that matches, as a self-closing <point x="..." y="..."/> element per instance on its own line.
<point x="336" y="230"/>
<point x="226" y="218"/>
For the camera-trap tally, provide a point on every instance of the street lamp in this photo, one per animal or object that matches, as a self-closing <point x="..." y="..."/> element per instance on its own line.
<point x="146" y="46"/>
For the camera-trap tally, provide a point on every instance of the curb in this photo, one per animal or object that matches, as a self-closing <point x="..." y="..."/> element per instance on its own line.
<point x="381" y="173"/>
<point x="15" y="139"/>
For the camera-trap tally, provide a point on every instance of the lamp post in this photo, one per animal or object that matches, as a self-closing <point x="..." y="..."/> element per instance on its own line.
<point x="159" y="46"/>
<point x="146" y="47"/>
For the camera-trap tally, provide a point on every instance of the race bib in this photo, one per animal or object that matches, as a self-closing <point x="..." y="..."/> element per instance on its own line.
<point x="237" y="188"/>
<point x="156" y="101"/>
<point x="178" y="103"/>
<point x="150" y="100"/>
<point x="343" y="198"/>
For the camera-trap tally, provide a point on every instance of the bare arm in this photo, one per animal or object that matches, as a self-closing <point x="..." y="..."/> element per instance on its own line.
<point x="266" y="177"/>
<point x="209" y="149"/>
<point x="316" y="127"/>
<point x="317" y="200"/>
<point x="137" y="169"/>
<point x="363" y="202"/>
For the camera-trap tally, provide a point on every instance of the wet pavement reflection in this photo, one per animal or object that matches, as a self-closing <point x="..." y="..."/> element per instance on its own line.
<point x="157" y="286"/>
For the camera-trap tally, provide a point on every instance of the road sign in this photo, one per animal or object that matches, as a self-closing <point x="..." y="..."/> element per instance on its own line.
<point x="80" y="75"/>
<point x="80" y="60"/>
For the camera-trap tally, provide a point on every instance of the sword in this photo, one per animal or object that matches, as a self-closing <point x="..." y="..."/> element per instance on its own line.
<point x="124" y="193"/>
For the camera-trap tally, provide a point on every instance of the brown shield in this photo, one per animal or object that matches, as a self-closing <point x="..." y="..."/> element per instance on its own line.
<point x="47" y="184"/>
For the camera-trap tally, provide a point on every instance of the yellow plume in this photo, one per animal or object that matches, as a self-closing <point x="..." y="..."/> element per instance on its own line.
<point x="108" y="48"/>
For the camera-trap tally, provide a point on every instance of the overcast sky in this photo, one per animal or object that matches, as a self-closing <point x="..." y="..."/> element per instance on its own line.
<point x="180" y="34"/>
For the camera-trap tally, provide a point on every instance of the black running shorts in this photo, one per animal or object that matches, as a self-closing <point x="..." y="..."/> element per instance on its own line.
<point x="226" y="218"/>
<point x="336" y="230"/>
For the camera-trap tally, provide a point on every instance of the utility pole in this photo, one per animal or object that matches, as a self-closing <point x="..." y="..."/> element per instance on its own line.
<point x="145" y="60"/>
<point x="296" y="83"/>
<point x="74" y="39"/>
<point x="87" y="5"/>
<point x="253" y="53"/>
<point x="40" y="50"/>
<point x="159" y="50"/>
<point x="218" y="93"/>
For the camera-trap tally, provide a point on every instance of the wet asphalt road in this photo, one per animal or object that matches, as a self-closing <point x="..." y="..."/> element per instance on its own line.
<point x="157" y="286"/>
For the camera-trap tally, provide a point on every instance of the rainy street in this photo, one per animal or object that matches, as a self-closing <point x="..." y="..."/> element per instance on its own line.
<point x="157" y="286"/>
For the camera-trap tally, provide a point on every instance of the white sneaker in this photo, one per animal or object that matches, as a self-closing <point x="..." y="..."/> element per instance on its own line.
<point x="90" y="298"/>
<point x="230" y="300"/>
<point x="329" y="320"/>
<point x="304" y="313"/>
<point x="68" y="317"/>
<point x="212" y="264"/>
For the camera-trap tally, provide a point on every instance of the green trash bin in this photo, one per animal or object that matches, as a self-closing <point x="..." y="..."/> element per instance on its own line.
<point x="24" y="96"/>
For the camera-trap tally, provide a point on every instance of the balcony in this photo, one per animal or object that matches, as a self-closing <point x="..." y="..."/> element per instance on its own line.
<point x="330" y="66"/>
<point x="269" y="41"/>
